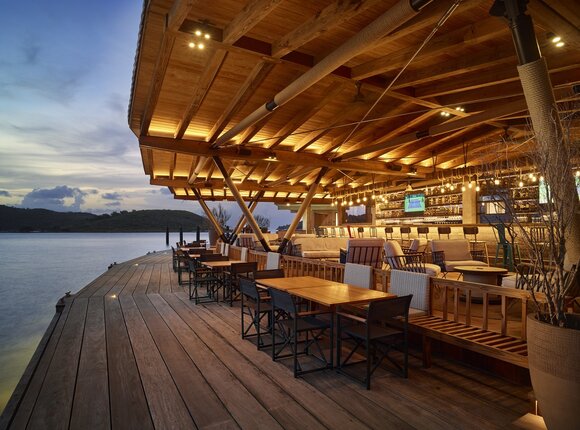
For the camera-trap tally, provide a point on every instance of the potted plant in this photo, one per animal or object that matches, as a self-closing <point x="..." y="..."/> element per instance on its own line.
<point x="551" y="276"/>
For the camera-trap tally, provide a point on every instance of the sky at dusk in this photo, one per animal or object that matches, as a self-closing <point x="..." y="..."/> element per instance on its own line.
<point x="65" y="80"/>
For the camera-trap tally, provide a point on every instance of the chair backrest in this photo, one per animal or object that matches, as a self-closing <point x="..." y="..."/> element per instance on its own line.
<point x="358" y="275"/>
<point x="405" y="230"/>
<point x="248" y="288"/>
<point x="393" y="250"/>
<point x="423" y="230"/>
<point x="387" y="309"/>
<point x="417" y="284"/>
<point x="244" y="254"/>
<point x="282" y="300"/>
<point x="365" y="251"/>
<point x="454" y="249"/>
<point x="246" y="240"/>
<point x="360" y="232"/>
<point x="247" y="269"/>
<point x="444" y="231"/>
<point x="272" y="261"/>
<point x="470" y="231"/>
<point x="271" y="273"/>
<point x="389" y="232"/>
<point x="418" y="245"/>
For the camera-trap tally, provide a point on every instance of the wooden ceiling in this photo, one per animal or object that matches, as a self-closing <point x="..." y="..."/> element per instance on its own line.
<point x="184" y="98"/>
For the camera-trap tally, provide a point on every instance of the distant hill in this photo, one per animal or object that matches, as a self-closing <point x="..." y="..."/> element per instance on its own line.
<point x="27" y="220"/>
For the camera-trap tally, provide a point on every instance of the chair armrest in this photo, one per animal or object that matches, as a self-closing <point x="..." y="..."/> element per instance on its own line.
<point x="439" y="258"/>
<point x="352" y="317"/>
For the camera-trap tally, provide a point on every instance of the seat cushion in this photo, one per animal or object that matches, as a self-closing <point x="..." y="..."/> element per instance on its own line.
<point x="509" y="281"/>
<point x="320" y="254"/>
<point x="457" y="249"/>
<point x="451" y="265"/>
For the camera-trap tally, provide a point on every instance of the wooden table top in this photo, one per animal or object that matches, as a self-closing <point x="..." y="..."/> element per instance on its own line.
<point x="216" y="264"/>
<point x="340" y="294"/>
<point x="295" y="282"/>
<point x="480" y="269"/>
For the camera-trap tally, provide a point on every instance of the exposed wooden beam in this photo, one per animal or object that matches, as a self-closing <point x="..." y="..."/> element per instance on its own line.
<point x="472" y="34"/>
<point x="219" y="184"/>
<point x="201" y="89"/>
<point x="331" y="16"/>
<point x="252" y="13"/>
<point x="245" y="91"/>
<point x="175" y="19"/>
<point x="556" y="23"/>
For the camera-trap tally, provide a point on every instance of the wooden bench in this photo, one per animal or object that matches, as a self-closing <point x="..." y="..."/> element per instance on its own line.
<point x="449" y="326"/>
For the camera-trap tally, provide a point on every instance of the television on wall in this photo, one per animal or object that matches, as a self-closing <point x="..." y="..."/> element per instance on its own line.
<point x="414" y="203"/>
<point x="357" y="214"/>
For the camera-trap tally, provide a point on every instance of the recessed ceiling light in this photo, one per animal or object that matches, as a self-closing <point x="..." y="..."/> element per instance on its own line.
<point x="198" y="32"/>
<point x="191" y="45"/>
<point x="201" y="46"/>
<point x="556" y="39"/>
<point x="559" y="44"/>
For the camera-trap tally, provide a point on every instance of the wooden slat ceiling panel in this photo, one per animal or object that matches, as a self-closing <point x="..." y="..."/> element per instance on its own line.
<point x="470" y="62"/>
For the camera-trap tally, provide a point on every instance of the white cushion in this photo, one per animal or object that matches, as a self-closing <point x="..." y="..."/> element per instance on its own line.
<point x="358" y="275"/>
<point x="244" y="254"/>
<point x="272" y="261"/>
<point x="393" y="248"/>
<point x="404" y="283"/>
<point x="430" y="269"/>
<point x="509" y="281"/>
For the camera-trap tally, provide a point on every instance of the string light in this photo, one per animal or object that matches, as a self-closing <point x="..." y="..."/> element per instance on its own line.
<point x="477" y="188"/>
<point x="463" y="188"/>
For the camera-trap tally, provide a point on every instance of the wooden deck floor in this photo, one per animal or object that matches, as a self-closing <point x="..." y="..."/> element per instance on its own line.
<point x="131" y="351"/>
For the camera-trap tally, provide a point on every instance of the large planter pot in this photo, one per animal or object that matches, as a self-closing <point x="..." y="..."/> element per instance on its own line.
<point x="212" y="236"/>
<point x="554" y="360"/>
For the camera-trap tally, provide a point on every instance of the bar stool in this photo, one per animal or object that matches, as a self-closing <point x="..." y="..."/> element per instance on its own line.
<point x="407" y="231"/>
<point x="373" y="232"/>
<point x="444" y="231"/>
<point x="470" y="233"/>
<point x="360" y="232"/>
<point x="389" y="233"/>
<point x="509" y="254"/>
<point x="423" y="230"/>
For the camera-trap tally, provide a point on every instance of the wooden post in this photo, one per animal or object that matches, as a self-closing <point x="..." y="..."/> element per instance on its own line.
<point x="302" y="209"/>
<point x="209" y="214"/>
<point x="241" y="203"/>
<point x="242" y="221"/>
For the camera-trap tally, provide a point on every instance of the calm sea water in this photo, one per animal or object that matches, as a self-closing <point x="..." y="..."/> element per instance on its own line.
<point x="36" y="269"/>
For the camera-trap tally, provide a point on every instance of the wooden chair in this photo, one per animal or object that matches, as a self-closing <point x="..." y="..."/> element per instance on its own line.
<point x="470" y="233"/>
<point x="360" y="232"/>
<point x="363" y="251"/>
<point x="389" y="233"/>
<point x="384" y="328"/>
<point x="203" y="278"/>
<point x="397" y="259"/>
<point x="293" y="325"/>
<point x="405" y="231"/>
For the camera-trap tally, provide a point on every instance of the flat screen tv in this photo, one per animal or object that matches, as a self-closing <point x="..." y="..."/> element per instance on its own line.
<point x="415" y="203"/>
<point x="357" y="214"/>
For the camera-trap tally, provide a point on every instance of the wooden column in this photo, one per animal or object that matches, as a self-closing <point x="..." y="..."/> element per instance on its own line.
<point x="208" y="212"/>
<point x="302" y="209"/>
<point x="241" y="203"/>
<point x="242" y="221"/>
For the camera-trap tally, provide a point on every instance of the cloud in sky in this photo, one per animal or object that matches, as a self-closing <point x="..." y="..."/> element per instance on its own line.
<point x="62" y="199"/>
<point x="65" y="84"/>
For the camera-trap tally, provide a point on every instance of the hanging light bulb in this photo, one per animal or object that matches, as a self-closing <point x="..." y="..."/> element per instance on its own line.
<point x="452" y="187"/>
<point x="521" y="184"/>
<point x="496" y="181"/>
<point x="365" y="198"/>
<point x="358" y="200"/>
<point x="442" y="189"/>
<point x="534" y="178"/>
<point x="350" y="203"/>
<point x="463" y="188"/>
<point x="477" y="188"/>
<point x="578" y="173"/>
<point x="373" y="196"/>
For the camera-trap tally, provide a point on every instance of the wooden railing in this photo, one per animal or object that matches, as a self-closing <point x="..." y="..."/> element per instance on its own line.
<point x="448" y="296"/>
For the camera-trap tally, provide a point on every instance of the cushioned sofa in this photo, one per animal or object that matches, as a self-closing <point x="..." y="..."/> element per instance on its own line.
<point x="318" y="247"/>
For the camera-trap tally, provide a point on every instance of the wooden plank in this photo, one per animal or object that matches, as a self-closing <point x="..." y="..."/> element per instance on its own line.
<point x="243" y="407"/>
<point x="24" y="397"/>
<point x="91" y="399"/>
<point x="165" y="403"/>
<point x="54" y="403"/>
<point x="190" y="382"/>
<point x="125" y="279"/>
<point x="124" y="381"/>
<point x="143" y="283"/>
<point x="113" y="280"/>
<point x="153" y="287"/>
<point x="332" y="415"/>
<point x="270" y="395"/>
<point x="165" y="279"/>
<point x="133" y="281"/>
